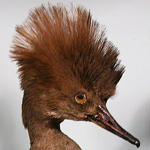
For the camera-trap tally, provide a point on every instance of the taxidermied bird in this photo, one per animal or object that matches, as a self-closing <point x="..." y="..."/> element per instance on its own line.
<point x="68" y="70"/>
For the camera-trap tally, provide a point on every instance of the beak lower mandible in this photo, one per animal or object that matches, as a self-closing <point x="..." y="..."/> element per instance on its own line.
<point x="104" y="119"/>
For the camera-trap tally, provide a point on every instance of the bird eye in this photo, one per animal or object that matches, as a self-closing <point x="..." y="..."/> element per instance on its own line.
<point x="80" y="98"/>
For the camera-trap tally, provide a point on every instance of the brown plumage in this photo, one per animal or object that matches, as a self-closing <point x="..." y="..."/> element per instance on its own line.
<point x="68" y="70"/>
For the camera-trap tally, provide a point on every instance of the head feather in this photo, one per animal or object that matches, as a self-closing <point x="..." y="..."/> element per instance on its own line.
<point x="56" y="44"/>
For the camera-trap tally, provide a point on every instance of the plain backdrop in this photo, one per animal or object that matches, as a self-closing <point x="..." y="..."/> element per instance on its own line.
<point x="128" y="27"/>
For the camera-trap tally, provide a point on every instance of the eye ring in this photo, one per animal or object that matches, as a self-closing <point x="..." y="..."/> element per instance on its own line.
<point x="80" y="98"/>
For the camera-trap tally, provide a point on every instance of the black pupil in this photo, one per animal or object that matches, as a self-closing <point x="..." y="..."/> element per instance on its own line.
<point x="80" y="96"/>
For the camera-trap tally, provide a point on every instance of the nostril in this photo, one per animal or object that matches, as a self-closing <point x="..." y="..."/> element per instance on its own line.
<point x="110" y="122"/>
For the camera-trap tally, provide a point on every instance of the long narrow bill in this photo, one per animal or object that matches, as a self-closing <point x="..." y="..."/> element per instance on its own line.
<point x="104" y="119"/>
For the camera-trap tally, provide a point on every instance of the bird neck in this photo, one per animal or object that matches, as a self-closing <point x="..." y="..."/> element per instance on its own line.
<point x="47" y="136"/>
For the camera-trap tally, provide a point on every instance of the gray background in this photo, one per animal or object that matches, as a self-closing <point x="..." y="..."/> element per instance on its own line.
<point x="128" y="27"/>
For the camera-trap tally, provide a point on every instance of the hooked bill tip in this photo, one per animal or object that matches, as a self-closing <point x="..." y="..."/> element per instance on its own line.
<point x="137" y="143"/>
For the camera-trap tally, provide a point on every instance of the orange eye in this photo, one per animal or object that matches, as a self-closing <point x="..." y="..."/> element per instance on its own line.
<point x="80" y="98"/>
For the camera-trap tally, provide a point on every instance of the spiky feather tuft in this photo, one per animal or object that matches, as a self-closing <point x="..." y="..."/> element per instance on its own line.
<point x="56" y="44"/>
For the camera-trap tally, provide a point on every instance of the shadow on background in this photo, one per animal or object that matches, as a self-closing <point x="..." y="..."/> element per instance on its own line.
<point x="140" y="128"/>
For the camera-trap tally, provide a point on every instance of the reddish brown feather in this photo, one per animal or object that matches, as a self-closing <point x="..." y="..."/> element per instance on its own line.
<point x="56" y="45"/>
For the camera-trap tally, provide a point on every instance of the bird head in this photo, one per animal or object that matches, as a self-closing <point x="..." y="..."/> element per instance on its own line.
<point x="68" y="68"/>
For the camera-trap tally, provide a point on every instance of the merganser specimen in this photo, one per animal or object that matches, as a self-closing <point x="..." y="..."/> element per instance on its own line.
<point x="68" y="70"/>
